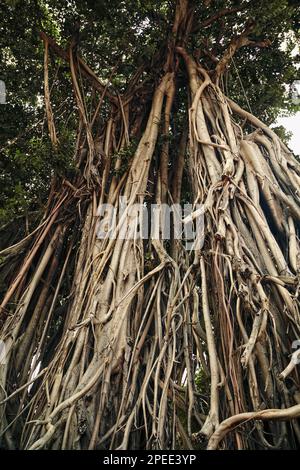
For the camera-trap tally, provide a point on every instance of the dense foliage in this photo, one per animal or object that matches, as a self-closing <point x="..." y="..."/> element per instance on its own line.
<point x="116" y="38"/>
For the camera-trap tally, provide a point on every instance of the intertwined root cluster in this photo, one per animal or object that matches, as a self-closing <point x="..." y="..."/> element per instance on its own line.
<point x="116" y="367"/>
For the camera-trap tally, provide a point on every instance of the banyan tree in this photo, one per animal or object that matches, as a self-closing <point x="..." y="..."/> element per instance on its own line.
<point x="112" y="342"/>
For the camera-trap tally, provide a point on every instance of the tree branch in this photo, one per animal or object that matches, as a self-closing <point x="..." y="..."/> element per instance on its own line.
<point x="84" y="68"/>
<point x="235" y="44"/>
<point x="228" y="424"/>
<point x="221" y="14"/>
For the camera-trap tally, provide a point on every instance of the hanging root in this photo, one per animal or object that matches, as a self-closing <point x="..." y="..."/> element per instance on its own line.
<point x="249" y="188"/>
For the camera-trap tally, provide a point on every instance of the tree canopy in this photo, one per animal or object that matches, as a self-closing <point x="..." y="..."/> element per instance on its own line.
<point x="117" y="38"/>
